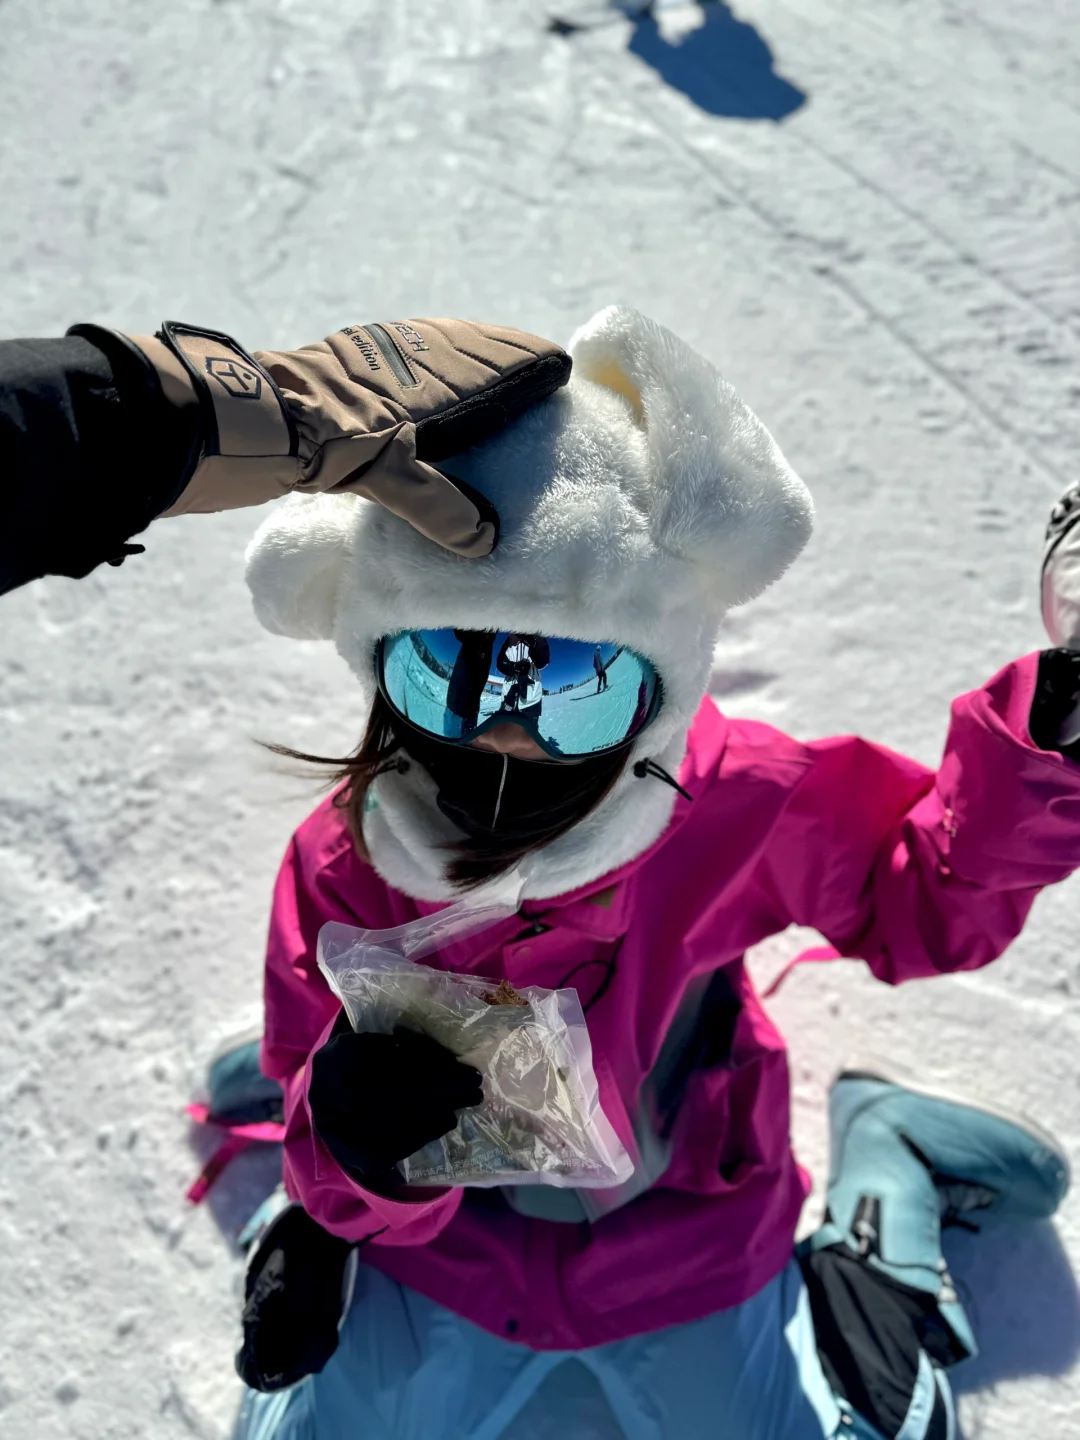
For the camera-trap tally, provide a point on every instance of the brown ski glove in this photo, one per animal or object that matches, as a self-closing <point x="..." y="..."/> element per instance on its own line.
<point x="369" y="409"/>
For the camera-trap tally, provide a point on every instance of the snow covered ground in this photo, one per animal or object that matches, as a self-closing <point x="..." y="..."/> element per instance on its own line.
<point x="888" y="273"/>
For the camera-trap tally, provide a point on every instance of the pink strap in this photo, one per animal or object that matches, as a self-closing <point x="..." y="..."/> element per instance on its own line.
<point x="227" y="1151"/>
<point x="816" y="952"/>
<point x="272" y="1131"/>
<point x="238" y="1138"/>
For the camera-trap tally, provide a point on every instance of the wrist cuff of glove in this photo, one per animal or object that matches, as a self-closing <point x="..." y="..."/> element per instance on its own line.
<point x="375" y="1173"/>
<point x="249" y="439"/>
<point x="1061" y="572"/>
<point x="1056" y="701"/>
<point x="159" y="426"/>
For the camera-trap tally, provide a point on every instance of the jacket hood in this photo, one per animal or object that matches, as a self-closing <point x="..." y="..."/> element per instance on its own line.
<point x="637" y="506"/>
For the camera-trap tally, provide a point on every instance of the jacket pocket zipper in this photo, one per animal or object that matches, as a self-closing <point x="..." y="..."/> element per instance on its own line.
<point x="392" y="355"/>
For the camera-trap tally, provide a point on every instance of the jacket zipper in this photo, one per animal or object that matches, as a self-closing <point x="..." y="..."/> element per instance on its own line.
<point x="392" y="355"/>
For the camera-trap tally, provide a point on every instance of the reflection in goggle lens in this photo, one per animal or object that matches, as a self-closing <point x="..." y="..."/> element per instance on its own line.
<point x="573" y="697"/>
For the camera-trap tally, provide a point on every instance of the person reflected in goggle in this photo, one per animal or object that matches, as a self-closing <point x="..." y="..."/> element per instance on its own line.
<point x="601" y="670"/>
<point x="521" y="659"/>
<point x="467" y="681"/>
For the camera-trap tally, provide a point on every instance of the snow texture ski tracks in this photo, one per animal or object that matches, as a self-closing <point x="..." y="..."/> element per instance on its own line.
<point x="889" y="276"/>
<point x="1037" y="379"/>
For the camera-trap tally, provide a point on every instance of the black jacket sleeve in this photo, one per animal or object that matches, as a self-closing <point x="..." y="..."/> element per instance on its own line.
<point x="90" y="452"/>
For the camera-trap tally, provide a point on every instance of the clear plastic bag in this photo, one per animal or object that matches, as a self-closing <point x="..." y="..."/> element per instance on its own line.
<point x="540" y="1122"/>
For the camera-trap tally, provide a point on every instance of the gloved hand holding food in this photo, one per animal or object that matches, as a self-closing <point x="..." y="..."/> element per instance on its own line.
<point x="377" y="1098"/>
<point x="537" y="1119"/>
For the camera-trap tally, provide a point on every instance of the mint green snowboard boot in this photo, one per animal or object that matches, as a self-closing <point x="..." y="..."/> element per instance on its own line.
<point x="907" y="1161"/>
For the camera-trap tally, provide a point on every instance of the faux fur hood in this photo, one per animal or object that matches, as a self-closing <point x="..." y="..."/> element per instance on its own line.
<point x="637" y="506"/>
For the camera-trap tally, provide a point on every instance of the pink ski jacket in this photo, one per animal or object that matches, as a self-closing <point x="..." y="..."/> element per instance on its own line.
<point x="916" y="873"/>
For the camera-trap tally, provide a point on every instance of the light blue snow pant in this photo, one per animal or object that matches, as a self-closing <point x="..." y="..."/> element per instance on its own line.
<point x="408" y="1369"/>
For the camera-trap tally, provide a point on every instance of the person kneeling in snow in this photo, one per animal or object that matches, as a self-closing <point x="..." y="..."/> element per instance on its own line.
<point x="658" y="841"/>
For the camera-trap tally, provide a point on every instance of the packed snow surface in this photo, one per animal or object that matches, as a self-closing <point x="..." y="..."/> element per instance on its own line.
<point x="865" y="213"/>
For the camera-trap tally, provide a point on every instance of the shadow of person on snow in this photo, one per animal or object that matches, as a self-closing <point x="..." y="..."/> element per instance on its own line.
<point x="723" y="65"/>
<point x="1021" y="1296"/>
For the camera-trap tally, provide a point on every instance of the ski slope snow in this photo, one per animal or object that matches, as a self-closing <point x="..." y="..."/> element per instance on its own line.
<point x="886" y="269"/>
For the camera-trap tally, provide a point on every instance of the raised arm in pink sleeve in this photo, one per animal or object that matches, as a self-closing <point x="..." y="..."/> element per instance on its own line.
<point x="920" y="874"/>
<point x="319" y="870"/>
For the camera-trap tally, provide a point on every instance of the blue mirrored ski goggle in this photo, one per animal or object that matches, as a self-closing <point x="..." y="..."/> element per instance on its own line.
<point x="573" y="697"/>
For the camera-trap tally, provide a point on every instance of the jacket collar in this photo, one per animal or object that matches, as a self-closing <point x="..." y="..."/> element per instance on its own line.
<point x="589" y="909"/>
<point x="405" y="832"/>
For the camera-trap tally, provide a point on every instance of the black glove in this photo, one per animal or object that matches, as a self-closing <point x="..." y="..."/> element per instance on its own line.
<point x="1057" y="693"/>
<point x="293" y="1302"/>
<point x="377" y="1098"/>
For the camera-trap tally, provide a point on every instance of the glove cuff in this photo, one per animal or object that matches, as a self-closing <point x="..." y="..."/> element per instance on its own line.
<point x="1055" y="706"/>
<point x="1061" y="572"/>
<point x="249" y="440"/>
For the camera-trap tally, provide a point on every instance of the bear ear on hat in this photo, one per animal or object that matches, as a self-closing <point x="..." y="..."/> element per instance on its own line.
<point x="294" y="564"/>
<point x="722" y="495"/>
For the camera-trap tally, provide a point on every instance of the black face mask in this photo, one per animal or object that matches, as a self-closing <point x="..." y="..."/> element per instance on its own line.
<point x="497" y="797"/>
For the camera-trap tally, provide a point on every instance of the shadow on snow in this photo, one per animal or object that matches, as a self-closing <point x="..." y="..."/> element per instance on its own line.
<point x="1021" y="1295"/>
<point x="723" y="65"/>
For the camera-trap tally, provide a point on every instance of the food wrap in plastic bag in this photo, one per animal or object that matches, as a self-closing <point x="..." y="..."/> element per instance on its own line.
<point x="540" y="1122"/>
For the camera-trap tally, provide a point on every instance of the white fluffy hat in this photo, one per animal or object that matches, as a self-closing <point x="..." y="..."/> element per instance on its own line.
<point x="637" y="505"/>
